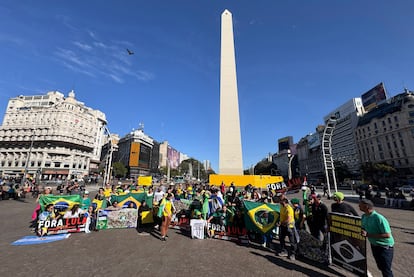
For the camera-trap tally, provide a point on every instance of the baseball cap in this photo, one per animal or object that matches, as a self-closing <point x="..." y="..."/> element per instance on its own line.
<point x="294" y="201"/>
<point x="86" y="192"/>
<point x="339" y="195"/>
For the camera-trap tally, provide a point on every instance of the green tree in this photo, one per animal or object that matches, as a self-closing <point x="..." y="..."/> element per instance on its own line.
<point x="119" y="170"/>
<point x="378" y="173"/>
<point x="264" y="167"/>
<point x="342" y="171"/>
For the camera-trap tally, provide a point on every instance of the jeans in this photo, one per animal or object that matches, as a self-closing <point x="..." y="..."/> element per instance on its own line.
<point x="383" y="257"/>
<point x="286" y="231"/>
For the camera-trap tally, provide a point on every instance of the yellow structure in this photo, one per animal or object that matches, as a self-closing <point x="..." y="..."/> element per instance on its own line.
<point x="145" y="180"/>
<point x="258" y="181"/>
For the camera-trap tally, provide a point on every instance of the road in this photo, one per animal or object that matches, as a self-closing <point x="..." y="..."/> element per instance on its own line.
<point x="128" y="253"/>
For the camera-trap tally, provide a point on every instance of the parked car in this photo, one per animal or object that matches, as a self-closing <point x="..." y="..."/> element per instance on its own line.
<point x="406" y="188"/>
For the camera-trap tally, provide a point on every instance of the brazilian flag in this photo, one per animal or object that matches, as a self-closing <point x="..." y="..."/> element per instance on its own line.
<point x="260" y="217"/>
<point x="134" y="198"/>
<point x="62" y="203"/>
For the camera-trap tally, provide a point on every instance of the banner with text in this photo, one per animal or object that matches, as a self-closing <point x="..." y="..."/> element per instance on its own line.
<point x="348" y="247"/>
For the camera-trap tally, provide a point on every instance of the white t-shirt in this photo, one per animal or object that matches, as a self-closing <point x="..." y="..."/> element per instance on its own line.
<point x="69" y="214"/>
<point x="158" y="195"/>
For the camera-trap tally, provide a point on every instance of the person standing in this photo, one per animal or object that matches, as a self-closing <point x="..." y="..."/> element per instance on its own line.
<point x="377" y="230"/>
<point x="166" y="216"/>
<point x="319" y="219"/>
<point x="287" y="228"/>
<point x="339" y="206"/>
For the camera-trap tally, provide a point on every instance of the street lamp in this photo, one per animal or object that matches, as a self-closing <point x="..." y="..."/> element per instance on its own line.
<point x="290" y="158"/>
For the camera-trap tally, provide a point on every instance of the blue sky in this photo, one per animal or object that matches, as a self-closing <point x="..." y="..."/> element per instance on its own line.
<point x="296" y="62"/>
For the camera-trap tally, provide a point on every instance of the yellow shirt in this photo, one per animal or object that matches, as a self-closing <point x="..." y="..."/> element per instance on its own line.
<point x="107" y="192"/>
<point x="167" y="209"/>
<point x="285" y="213"/>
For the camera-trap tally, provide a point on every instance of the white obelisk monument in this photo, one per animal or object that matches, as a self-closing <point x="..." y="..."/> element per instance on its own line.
<point x="230" y="157"/>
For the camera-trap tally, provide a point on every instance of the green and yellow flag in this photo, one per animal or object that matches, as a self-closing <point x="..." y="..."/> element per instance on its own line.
<point x="62" y="203"/>
<point x="261" y="217"/>
<point x="135" y="198"/>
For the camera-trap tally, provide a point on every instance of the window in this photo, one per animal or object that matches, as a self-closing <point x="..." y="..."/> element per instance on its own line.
<point x="411" y="114"/>
<point x="402" y="142"/>
<point x="395" y="118"/>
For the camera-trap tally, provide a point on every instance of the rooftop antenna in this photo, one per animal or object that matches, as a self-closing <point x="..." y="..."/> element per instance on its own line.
<point x="141" y="126"/>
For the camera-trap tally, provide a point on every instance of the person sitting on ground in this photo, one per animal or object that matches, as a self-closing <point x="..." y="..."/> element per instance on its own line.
<point x="114" y="206"/>
<point x="142" y="208"/>
<point x="47" y="214"/>
<point x="389" y="201"/>
<point x="92" y="219"/>
<point x="339" y="206"/>
<point x="75" y="212"/>
<point x="399" y="198"/>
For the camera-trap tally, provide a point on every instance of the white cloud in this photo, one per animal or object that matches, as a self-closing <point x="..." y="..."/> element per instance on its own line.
<point x="83" y="46"/>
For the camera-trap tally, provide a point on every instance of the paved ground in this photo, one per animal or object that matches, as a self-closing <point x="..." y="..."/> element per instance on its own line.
<point x="128" y="253"/>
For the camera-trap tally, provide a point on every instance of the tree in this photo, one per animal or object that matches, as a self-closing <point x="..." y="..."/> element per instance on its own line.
<point x="119" y="170"/>
<point x="342" y="171"/>
<point x="264" y="167"/>
<point x="378" y="173"/>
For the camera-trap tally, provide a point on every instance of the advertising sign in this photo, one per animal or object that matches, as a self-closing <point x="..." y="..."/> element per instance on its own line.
<point x="314" y="141"/>
<point x="373" y="97"/>
<point x="173" y="157"/>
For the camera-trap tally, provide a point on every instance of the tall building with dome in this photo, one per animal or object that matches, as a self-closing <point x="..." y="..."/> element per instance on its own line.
<point x="50" y="136"/>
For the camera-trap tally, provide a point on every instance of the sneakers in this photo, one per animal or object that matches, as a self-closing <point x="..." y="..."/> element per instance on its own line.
<point x="292" y="258"/>
<point x="264" y="244"/>
<point x="163" y="239"/>
<point x="282" y="254"/>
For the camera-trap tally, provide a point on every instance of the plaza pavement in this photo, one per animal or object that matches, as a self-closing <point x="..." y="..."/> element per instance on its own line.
<point x="125" y="252"/>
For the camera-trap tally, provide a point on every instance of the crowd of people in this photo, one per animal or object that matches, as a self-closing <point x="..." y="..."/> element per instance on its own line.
<point x="224" y="204"/>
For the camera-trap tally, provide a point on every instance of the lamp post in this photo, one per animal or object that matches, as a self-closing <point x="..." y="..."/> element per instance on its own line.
<point x="290" y="158"/>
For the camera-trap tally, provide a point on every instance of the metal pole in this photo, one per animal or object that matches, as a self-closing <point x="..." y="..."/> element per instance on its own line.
<point x="168" y="171"/>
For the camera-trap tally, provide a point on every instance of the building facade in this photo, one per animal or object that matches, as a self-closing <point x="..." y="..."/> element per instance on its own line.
<point x="386" y="134"/>
<point x="135" y="152"/>
<point x="310" y="157"/>
<point x="344" y="149"/>
<point x="50" y="136"/>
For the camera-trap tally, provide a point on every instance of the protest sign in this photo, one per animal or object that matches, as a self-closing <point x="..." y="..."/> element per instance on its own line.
<point x="123" y="218"/>
<point x="348" y="247"/>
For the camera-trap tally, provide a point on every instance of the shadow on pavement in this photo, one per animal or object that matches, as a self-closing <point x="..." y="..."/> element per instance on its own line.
<point x="292" y="266"/>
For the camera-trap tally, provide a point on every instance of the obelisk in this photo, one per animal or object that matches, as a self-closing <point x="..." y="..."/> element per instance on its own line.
<point x="230" y="152"/>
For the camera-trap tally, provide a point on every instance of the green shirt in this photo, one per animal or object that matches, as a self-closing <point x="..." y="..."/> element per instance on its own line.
<point x="376" y="223"/>
<point x="86" y="202"/>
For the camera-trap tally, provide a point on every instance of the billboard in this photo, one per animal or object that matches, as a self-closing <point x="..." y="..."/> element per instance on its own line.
<point x="173" y="157"/>
<point x="373" y="97"/>
<point x="314" y="141"/>
<point x="134" y="154"/>
<point x="284" y="143"/>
